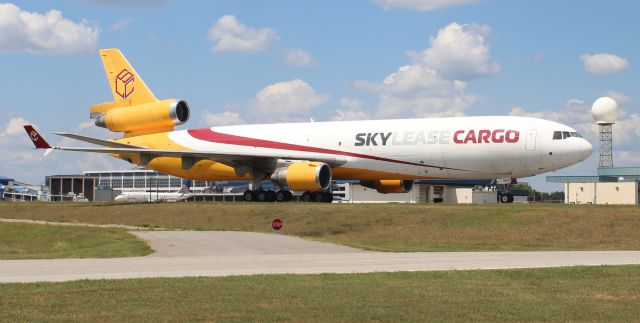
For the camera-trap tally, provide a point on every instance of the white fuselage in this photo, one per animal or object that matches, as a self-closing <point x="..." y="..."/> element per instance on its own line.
<point x="458" y="147"/>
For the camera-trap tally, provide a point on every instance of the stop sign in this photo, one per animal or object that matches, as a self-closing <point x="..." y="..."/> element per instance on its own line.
<point x="276" y="224"/>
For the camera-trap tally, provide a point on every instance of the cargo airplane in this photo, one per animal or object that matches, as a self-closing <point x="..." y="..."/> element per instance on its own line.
<point x="386" y="155"/>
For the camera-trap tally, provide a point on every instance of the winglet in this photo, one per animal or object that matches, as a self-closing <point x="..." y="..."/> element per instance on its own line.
<point x="37" y="139"/>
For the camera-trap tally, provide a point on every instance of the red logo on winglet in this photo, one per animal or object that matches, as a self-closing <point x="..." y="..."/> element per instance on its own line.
<point x="34" y="136"/>
<point x="124" y="83"/>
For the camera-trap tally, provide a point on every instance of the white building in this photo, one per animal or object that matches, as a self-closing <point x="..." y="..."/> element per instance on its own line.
<point x="612" y="185"/>
<point x="422" y="192"/>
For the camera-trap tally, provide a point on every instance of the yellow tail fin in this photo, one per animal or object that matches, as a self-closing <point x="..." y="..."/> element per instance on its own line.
<point x="127" y="86"/>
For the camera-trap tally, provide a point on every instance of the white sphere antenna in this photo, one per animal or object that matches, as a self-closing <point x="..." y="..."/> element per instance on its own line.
<point x="605" y="110"/>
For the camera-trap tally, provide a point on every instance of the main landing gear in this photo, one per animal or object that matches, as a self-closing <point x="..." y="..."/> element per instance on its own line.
<point x="285" y="196"/>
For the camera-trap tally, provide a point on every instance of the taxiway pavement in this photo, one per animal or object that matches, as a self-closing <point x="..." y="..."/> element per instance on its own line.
<point x="199" y="253"/>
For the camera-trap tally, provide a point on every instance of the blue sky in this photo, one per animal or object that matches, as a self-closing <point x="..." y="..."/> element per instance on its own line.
<point x="264" y="61"/>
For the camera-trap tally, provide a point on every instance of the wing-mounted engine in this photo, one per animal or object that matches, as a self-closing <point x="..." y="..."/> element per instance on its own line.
<point x="303" y="176"/>
<point x="145" y="118"/>
<point x="386" y="186"/>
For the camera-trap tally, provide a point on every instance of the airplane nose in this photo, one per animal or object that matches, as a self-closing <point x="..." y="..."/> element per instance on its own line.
<point x="584" y="149"/>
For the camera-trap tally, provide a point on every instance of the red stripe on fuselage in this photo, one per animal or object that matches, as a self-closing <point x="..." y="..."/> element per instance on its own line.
<point x="223" y="138"/>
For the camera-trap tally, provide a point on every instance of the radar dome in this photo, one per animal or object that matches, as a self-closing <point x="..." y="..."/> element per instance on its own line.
<point x="605" y="110"/>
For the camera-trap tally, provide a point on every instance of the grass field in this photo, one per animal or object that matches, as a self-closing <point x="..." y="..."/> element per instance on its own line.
<point x="35" y="241"/>
<point x="386" y="227"/>
<point x="579" y="294"/>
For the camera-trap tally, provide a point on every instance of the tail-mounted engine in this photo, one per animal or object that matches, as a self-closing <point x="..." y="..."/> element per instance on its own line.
<point x="386" y="186"/>
<point x="304" y="176"/>
<point x="145" y="118"/>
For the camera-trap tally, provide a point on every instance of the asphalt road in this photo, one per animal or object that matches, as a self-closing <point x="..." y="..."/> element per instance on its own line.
<point x="197" y="253"/>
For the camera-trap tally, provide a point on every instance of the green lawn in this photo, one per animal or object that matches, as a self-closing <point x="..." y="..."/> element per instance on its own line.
<point x="385" y="227"/>
<point x="36" y="241"/>
<point x="580" y="294"/>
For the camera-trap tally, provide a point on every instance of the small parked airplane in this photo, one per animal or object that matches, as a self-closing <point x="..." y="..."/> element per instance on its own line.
<point x="387" y="155"/>
<point x="180" y="195"/>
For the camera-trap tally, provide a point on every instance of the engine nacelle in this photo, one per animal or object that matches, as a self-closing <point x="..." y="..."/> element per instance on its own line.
<point x="145" y="118"/>
<point x="304" y="176"/>
<point x="386" y="186"/>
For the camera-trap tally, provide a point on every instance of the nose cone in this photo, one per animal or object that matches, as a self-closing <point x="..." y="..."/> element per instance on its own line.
<point x="582" y="150"/>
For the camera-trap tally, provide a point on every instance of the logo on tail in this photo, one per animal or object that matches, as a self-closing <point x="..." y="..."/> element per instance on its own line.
<point x="34" y="136"/>
<point x="124" y="83"/>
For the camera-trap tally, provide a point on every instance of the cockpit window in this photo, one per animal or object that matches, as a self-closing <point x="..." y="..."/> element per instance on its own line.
<point x="559" y="135"/>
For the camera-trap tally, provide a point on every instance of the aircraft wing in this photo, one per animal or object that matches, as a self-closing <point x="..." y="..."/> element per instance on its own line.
<point x="230" y="159"/>
<point x="96" y="141"/>
<point x="189" y="157"/>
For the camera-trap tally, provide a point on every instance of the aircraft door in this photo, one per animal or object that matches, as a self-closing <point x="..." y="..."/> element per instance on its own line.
<point x="531" y="140"/>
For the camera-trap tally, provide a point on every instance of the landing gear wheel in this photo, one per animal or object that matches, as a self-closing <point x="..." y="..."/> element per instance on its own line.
<point x="262" y="196"/>
<point x="288" y="196"/>
<point x="327" y="197"/>
<point x="318" y="197"/>
<point x="283" y="196"/>
<point x="306" y="197"/>
<point x="506" y="198"/>
<point x="249" y="196"/>
<point x="271" y="196"/>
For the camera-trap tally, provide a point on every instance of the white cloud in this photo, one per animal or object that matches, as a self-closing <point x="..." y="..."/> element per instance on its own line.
<point x="229" y="34"/>
<point x="287" y="101"/>
<point x="352" y="104"/>
<point x="620" y="98"/>
<point x="128" y="3"/>
<point x="435" y="84"/>
<point x="222" y="119"/>
<point x="626" y="157"/>
<point x="120" y="25"/>
<point x="460" y="52"/>
<point x="15" y="127"/>
<point x="32" y="32"/>
<point x="85" y="125"/>
<point x="574" y="111"/>
<point x="296" y="57"/>
<point x="346" y="115"/>
<point x="604" y="63"/>
<point x="352" y="110"/>
<point x="423" y="5"/>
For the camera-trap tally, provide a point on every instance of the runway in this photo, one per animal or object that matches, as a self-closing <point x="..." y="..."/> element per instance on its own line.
<point x="197" y="253"/>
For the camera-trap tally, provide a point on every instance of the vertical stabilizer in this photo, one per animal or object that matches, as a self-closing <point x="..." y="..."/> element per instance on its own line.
<point x="127" y="86"/>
